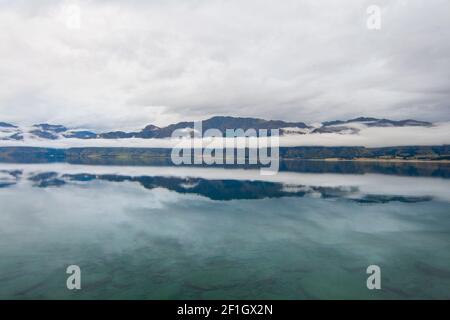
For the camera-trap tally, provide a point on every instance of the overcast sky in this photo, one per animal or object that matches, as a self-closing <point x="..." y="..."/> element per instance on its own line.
<point x="124" y="64"/>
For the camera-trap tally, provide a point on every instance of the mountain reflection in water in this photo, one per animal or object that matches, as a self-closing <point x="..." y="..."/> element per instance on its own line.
<point x="214" y="189"/>
<point x="166" y="232"/>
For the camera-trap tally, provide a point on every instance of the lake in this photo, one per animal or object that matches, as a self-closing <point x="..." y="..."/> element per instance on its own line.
<point x="164" y="232"/>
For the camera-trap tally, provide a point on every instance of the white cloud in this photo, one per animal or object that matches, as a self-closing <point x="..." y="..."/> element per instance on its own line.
<point x="368" y="137"/>
<point x="132" y="63"/>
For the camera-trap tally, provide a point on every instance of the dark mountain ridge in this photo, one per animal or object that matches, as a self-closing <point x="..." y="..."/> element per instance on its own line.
<point x="222" y="123"/>
<point x="374" y="122"/>
<point x="6" y="125"/>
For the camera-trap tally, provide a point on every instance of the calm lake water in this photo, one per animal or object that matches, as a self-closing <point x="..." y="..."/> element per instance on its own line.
<point x="146" y="232"/>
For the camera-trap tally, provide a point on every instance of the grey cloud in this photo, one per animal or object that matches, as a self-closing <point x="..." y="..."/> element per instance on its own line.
<point x="138" y="62"/>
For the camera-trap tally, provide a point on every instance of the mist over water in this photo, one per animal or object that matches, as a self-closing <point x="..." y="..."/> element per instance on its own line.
<point x="199" y="233"/>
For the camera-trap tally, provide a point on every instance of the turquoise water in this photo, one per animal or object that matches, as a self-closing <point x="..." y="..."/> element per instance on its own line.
<point x="164" y="233"/>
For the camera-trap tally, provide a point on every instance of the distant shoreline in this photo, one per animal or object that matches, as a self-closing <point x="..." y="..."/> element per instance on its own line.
<point x="403" y="154"/>
<point x="371" y="160"/>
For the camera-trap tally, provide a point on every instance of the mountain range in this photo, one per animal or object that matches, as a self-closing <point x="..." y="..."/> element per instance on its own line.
<point x="46" y="131"/>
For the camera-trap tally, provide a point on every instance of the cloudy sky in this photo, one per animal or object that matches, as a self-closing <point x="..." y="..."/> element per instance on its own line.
<point x="124" y="64"/>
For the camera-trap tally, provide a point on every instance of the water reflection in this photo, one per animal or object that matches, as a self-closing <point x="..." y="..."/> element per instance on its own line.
<point x="197" y="233"/>
<point x="214" y="189"/>
<point x="416" y="169"/>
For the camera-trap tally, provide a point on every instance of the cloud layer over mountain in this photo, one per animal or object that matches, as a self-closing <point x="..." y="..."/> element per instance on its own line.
<point x="438" y="134"/>
<point x="130" y="63"/>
